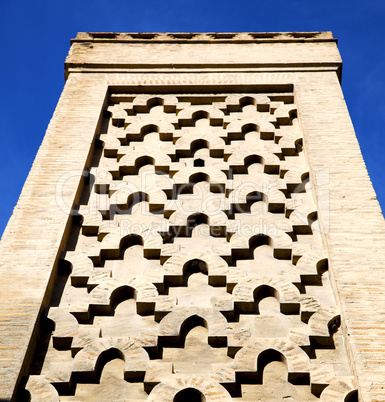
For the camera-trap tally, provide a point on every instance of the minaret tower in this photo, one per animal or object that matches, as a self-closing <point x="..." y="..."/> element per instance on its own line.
<point x="198" y="225"/>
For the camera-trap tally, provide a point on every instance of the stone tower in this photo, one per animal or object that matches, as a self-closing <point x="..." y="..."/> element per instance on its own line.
<point x="198" y="225"/>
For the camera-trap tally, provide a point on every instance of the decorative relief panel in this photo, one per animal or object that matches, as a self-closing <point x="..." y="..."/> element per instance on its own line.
<point x="204" y="37"/>
<point x="195" y="268"/>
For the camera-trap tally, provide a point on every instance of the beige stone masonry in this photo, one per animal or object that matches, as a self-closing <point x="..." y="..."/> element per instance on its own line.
<point x="325" y="320"/>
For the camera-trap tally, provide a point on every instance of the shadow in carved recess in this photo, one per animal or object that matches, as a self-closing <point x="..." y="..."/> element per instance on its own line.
<point x="274" y="385"/>
<point x="189" y="395"/>
<point x="195" y="355"/>
<point x="110" y="387"/>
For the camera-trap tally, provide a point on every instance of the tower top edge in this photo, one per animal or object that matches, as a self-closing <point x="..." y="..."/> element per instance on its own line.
<point x="197" y="37"/>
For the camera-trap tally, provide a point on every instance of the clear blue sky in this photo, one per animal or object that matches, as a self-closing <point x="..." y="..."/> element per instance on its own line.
<point x="35" y="39"/>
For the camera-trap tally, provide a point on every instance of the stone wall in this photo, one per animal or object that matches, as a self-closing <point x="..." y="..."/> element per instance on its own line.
<point x="196" y="226"/>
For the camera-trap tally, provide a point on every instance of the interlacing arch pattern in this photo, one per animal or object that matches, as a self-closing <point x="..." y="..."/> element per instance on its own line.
<point x="195" y="259"/>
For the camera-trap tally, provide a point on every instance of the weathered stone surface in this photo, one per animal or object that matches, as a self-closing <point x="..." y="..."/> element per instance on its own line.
<point x="198" y="223"/>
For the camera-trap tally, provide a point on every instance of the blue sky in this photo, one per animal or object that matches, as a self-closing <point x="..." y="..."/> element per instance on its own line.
<point x="35" y="39"/>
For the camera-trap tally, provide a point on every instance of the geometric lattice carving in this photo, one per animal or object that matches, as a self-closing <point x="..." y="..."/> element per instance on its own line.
<point x="196" y="260"/>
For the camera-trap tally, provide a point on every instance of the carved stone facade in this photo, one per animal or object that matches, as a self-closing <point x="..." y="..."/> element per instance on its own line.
<point x="189" y="246"/>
